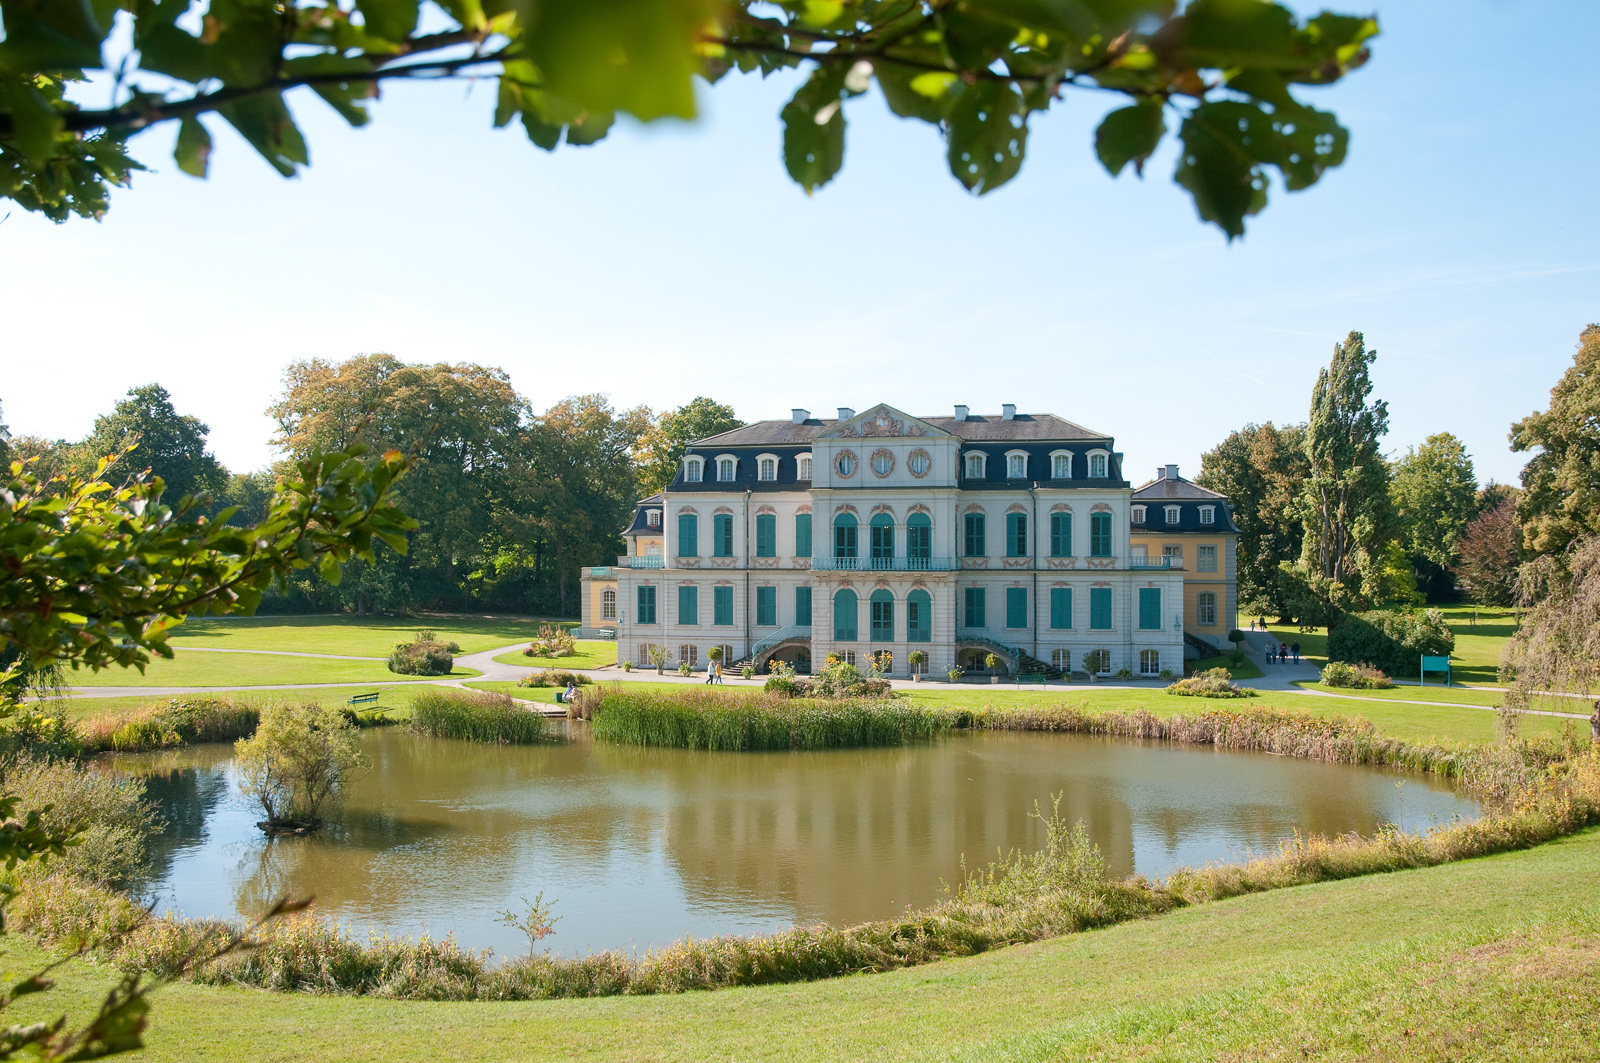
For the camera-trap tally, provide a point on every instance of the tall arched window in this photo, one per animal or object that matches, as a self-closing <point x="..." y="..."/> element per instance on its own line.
<point x="844" y="616"/>
<point x="880" y="537"/>
<point x="882" y="608"/>
<point x="919" y="540"/>
<point x="919" y="617"/>
<point x="844" y="536"/>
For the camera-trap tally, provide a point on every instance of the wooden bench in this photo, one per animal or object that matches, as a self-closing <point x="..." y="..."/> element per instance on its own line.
<point x="364" y="699"/>
<point x="1033" y="677"/>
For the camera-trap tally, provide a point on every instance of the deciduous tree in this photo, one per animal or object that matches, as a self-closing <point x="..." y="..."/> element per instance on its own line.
<point x="1261" y="468"/>
<point x="1488" y="555"/>
<point x="665" y="443"/>
<point x="170" y="445"/>
<point x="1435" y="494"/>
<point x="1560" y="499"/>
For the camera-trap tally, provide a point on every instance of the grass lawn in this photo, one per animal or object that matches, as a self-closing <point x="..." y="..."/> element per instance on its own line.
<point x="586" y="653"/>
<point x="1460" y="695"/>
<point x="1245" y="670"/>
<point x="1489" y="959"/>
<point x="351" y="636"/>
<point x="1476" y="658"/>
<point x="244" y="670"/>
<point x="396" y="700"/>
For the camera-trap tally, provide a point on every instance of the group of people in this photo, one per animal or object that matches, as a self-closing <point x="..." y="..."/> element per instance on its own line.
<point x="1278" y="652"/>
<point x="714" y="673"/>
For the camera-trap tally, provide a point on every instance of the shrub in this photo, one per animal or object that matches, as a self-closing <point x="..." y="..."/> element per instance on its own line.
<point x="111" y="851"/>
<point x="687" y="669"/>
<point x="954" y="673"/>
<point x="177" y="722"/>
<point x="1391" y="639"/>
<point x="1124" y="673"/>
<point x="426" y="655"/>
<point x="695" y="718"/>
<point x="296" y="763"/>
<point x="714" y="653"/>
<point x="477" y="716"/>
<point x="551" y="642"/>
<point x="550" y="677"/>
<point x="781" y="679"/>
<point x="1216" y="683"/>
<point x="1360" y="676"/>
<point x="839" y="680"/>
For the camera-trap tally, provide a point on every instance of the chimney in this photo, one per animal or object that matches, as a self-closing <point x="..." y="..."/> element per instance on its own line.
<point x="961" y="413"/>
<point x="845" y="413"/>
<point x="799" y="416"/>
<point x="1172" y="472"/>
<point x="1008" y="412"/>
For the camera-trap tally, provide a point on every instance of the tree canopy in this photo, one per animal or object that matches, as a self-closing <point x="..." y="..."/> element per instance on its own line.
<point x="665" y="444"/>
<point x="1261" y="469"/>
<point x="1224" y="72"/>
<point x="1560" y="499"/>
<point x="169" y="445"/>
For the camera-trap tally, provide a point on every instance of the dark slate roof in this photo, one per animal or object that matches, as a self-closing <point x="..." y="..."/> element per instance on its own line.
<point x="1189" y="496"/>
<point x="1179" y="488"/>
<point x="641" y="524"/>
<point x="1025" y="426"/>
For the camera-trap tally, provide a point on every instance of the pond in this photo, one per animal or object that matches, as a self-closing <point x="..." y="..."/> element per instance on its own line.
<point x="644" y="846"/>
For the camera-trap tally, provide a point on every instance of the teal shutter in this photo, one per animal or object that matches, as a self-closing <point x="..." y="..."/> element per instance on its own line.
<point x="689" y="606"/>
<point x="1016" y="607"/>
<point x="647" y="605"/>
<point x="1149" y="608"/>
<point x="1099" y="535"/>
<point x="767" y="606"/>
<point x="844" y="616"/>
<point x="802" y="535"/>
<point x="722" y="535"/>
<point x="1100" y="608"/>
<point x="1061" y="535"/>
<point x="766" y="535"/>
<point x="688" y="535"/>
<point x="802" y="606"/>
<point x="1061" y="607"/>
<point x="722" y="606"/>
<point x="1016" y="535"/>
<point x="975" y="608"/>
<point x="974" y="536"/>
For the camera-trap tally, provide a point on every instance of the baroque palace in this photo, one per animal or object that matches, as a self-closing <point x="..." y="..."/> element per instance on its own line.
<point x="876" y="534"/>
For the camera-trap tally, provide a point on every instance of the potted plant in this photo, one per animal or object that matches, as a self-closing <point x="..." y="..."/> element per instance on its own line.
<point x="658" y="657"/>
<point x="1091" y="664"/>
<point x="714" y="653"/>
<point x="685" y="669"/>
<point x="1236" y="637"/>
<point x="991" y="662"/>
<point x="954" y="673"/>
<point x="748" y="671"/>
<point x="627" y="666"/>
<point x="917" y="658"/>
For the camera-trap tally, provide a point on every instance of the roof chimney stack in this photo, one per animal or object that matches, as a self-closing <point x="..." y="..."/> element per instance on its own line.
<point x="1008" y="411"/>
<point x="799" y="416"/>
<point x="961" y="413"/>
<point x="845" y="413"/>
<point x="1172" y="472"/>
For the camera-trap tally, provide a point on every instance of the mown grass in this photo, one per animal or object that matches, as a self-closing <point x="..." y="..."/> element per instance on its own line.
<point x="352" y="636"/>
<point x="1245" y="669"/>
<point x="477" y="716"/>
<point x="234" y="670"/>
<point x="394" y="700"/>
<point x="753" y="720"/>
<point x="1476" y="658"/>
<point x="1458" y="694"/>
<point x="586" y="653"/>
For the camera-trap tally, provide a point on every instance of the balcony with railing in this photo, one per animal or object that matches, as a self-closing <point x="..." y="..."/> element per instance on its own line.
<point x="883" y="564"/>
<point x="599" y="572"/>
<point x="1155" y="562"/>
<point x="642" y="561"/>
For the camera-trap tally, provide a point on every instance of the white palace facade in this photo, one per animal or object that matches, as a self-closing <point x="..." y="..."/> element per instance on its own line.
<point x="876" y="534"/>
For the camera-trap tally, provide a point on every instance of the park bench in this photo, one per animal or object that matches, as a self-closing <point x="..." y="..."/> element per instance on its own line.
<point x="1031" y="677"/>
<point x="364" y="699"/>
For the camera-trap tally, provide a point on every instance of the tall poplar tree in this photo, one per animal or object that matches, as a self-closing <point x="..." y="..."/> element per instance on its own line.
<point x="1560" y="498"/>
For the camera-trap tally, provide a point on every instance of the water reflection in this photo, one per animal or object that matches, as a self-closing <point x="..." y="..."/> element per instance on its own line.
<point x="642" y="846"/>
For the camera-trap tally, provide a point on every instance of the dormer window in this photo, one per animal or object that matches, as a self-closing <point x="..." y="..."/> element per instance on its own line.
<point x="693" y="470"/>
<point x="1208" y="514"/>
<point x="1138" y="514"/>
<point x="1016" y="465"/>
<point x="804" y="463"/>
<point x="725" y="467"/>
<point x="1097" y="465"/>
<point x="1173" y="514"/>
<point x="766" y="467"/>
<point x="1061" y="465"/>
<point x="652" y="517"/>
<point x="976" y="466"/>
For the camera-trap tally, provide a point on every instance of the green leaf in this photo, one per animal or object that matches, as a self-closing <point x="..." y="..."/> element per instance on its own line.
<point x="813" y="128"/>
<point x="265" y="122"/>
<point x="589" y="129"/>
<point x="637" y="56"/>
<point x="911" y="94"/>
<point x="1130" y="134"/>
<point x="51" y="35"/>
<point x="1218" y="166"/>
<point x="35" y="125"/>
<point x="248" y="44"/>
<point x="329" y="568"/>
<point x="193" y="151"/>
<point x="392" y="20"/>
<point x="988" y="135"/>
<point x="166" y="49"/>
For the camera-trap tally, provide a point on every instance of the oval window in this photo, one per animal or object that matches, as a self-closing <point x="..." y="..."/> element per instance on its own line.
<point x="919" y="463"/>
<point x="845" y="463"/>
<point x="882" y="462"/>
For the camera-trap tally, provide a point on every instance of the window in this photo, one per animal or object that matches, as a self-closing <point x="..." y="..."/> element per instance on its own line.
<point x="919" y="540"/>
<point x="919" y="462"/>
<point x="1061" y="608"/>
<point x="1149" y="608"/>
<point x="1016" y="607"/>
<point x="1173" y="552"/>
<point x="1206" y="558"/>
<point x="689" y="654"/>
<point x="1061" y="659"/>
<point x="1061" y="466"/>
<point x="1016" y="535"/>
<point x="804" y="467"/>
<point x="975" y="607"/>
<point x="1097" y="466"/>
<point x="1100" y="608"/>
<point x="722" y="535"/>
<point x="1208" y="514"/>
<point x="727" y="654"/>
<point x="1138" y="514"/>
<point x="644" y="654"/>
<point x="689" y="606"/>
<point x="848" y="657"/>
<point x="844" y="616"/>
<point x="608" y="605"/>
<point x="1149" y="662"/>
<point x="647" y="605"/>
<point x="975" y="466"/>
<point x="688" y="535"/>
<point x="766" y="607"/>
<point x="725" y="467"/>
<point x="882" y="662"/>
<point x="1061" y="535"/>
<point x="1205" y="609"/>
<point x="881" y="608"/>
<point x="973" y="546"/>
<point x="845" y="463"/>
<point x="1101" y="662"/>
<point x="692" y="470"/>
<point x="844" y="536"/>
<point x="766" y="535"/>
<point x="652" y="517"/>
<point x="882" y="462"/>
<point x="1099" y="535"/>
<point x="1174" y="514"/>
<point x="767" y="469"/>
<point x="880" y="535"/>
<point x="1017" y="466"/>
<point x="919" y="617"/>
<point x="722" y="606"/>
<point x="802" y="606"/>
<point x="802" y="535"/>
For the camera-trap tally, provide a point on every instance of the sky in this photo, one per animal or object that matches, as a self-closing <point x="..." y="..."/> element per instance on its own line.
<point x="678" y="260"/>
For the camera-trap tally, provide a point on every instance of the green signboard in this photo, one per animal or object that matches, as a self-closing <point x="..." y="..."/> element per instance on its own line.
<point x="1433" y="664"/>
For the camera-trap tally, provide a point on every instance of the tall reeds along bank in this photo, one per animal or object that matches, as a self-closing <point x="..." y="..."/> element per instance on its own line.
<point x="477" y="716"/>
<point x="695" y="718"/>
<point x="165" y="724"/>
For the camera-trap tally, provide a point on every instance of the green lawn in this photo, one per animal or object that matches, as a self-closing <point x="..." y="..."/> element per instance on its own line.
<point x="396" y="700"/>
<point x="244" y="670"/>
<point x="1476" y="658"/>
<point x="1461" y="695"/>
<point x="351" y="636"/>
<point x="1244" y="670"/>
<point x="1489" y="959"/>
<point x="587" y="653"/>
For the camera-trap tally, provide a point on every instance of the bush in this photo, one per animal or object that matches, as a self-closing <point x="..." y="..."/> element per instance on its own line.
<point x="296" y="763"/>
<point x="477" y="716"/>
<point x="838" y="681"/>
<point x="1360" y="676"/>
<point x="177" y="722"/>
<point x="781" y="679"/>
<point x="695" y="718"/>
<point x="426" y="655"/>
<point x="1391" y="639"/>
<point x="954" y="673"/>
<point x="551" y="642"/>
<point x="1216" y="683"/>
<point x="550" y="677"/>
<point x="110" y="853"/>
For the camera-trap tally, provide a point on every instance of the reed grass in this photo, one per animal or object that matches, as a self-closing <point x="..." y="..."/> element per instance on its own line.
<point x="165" y="724"/>
<point x="757" y="720"/>
<point x="477" y="716"/>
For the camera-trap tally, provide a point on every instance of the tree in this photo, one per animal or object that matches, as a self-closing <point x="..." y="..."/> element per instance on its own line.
<point x="1560" y="499"/>
<point x="1434" y="490"/>
<point x="1345" y="500"/>
<point x="1223" y="70"/>
<point x="664" y="445"/>
<point x="169" y="445"/>
<point x="1261" y="468"/>
<point x="1556" y="648"/>
<point x="296" y="763"/>
<point x="1488" y="555"/>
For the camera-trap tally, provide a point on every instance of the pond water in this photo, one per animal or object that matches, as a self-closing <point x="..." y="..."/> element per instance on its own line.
<point x="640" y="847"/>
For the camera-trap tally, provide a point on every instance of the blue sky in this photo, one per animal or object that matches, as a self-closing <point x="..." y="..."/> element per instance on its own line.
<point x="678" y="260"/>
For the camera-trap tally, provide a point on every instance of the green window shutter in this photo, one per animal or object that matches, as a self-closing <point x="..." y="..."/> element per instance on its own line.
<point x="689" y="606"/>
<point x="802" y="535"/>
<point x="688" y="535"/>
<point x="647" y="605"/>
<point x="975" y="608"/>
<point x="1149" y="608"/>
<point x="1099" y="535"/>
<point x="767" y="606"/>
<point x="1016" y="607"/>
<point x="1061" y="607"/>
<point x="919" y="617"/>
<point x="802" y="606"/>
<point x="844" y="616"/>
<point x="722" y="606"/>
<point x="881" y="608"/>
<point x="919" y="537"/>
<point x="974" y="536"/>
<point x="1100" y="608"/>
<point x="1061" y="535"/>
<point x="766" y="535"/>
<point x="722" y="535"/>
<point x="1016" y="535"/>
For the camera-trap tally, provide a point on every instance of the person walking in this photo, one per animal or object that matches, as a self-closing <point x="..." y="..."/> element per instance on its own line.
<point x="1271" y="648"/>
<point x="718" y="674"/>
<point x="711" y="672"/>
<point x="1295" y="649"/>
<point x="1283" y="652"/>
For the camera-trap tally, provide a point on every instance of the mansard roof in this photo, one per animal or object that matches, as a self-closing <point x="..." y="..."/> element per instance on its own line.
<point x="1025" y="427"/>
<point x="641" y="522"/>
<point x="1175" y="488"/>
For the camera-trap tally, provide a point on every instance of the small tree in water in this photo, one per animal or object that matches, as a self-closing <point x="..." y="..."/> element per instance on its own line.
<point x="296" y="763"/>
